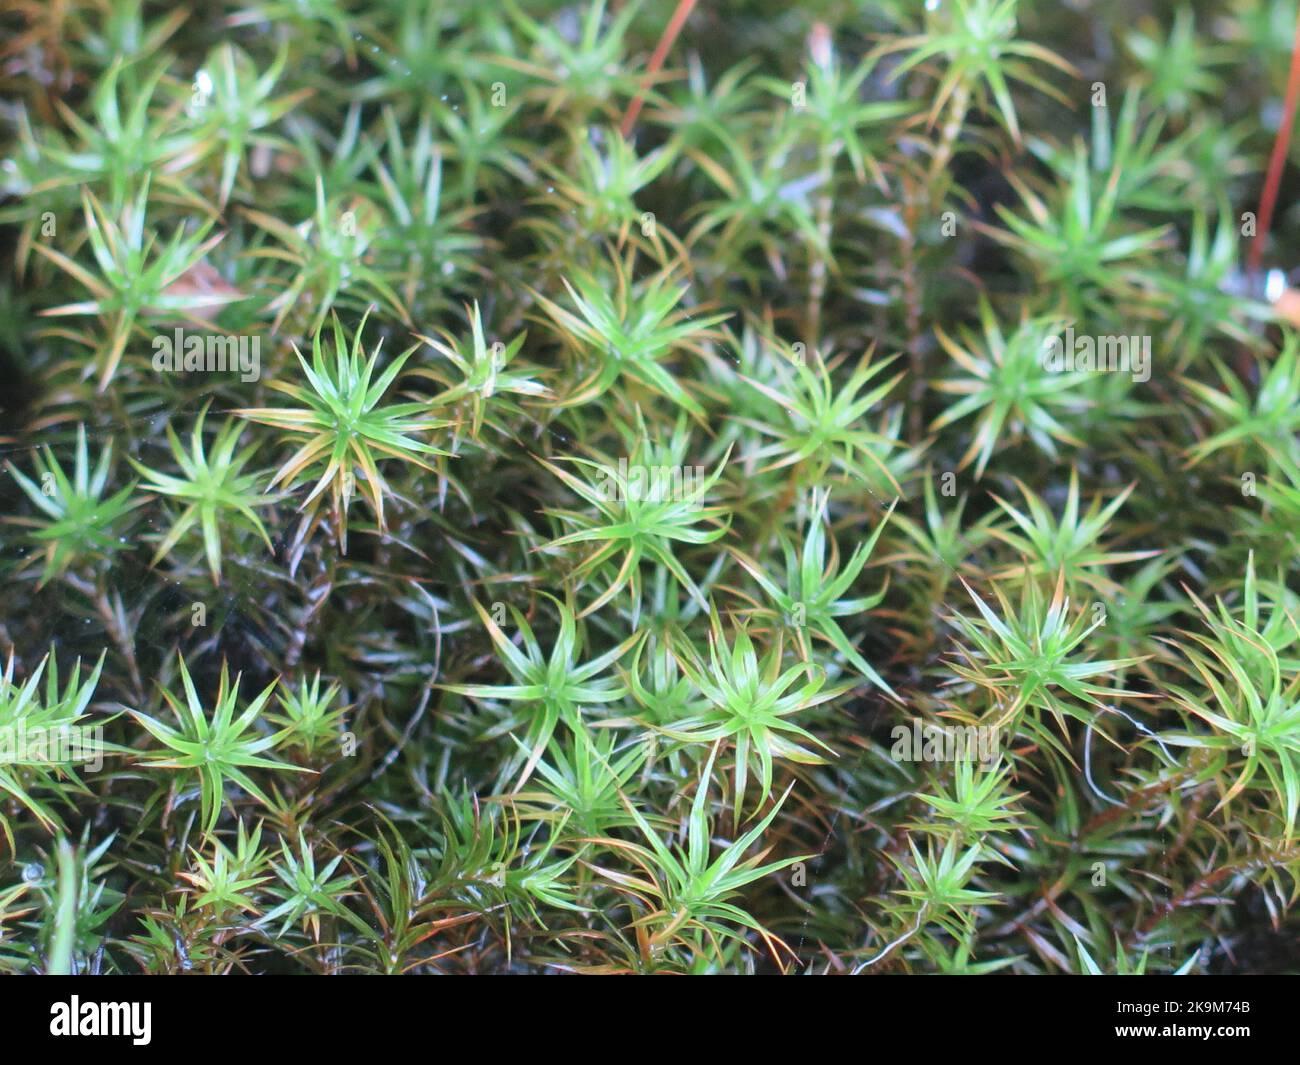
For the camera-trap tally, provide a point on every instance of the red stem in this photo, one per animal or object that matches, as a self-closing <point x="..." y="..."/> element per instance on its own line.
<point x="1278" y="159"/>
<point x="674" y="27"/>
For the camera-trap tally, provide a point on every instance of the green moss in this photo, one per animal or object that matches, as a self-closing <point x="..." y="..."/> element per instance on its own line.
<point x="839" y="514"/>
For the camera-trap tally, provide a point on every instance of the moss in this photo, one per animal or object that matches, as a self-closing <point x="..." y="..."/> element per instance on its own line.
<point x="486" y="494"/>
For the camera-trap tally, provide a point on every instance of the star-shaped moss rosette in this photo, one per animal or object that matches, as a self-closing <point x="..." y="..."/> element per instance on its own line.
<point x="343" y="429"/>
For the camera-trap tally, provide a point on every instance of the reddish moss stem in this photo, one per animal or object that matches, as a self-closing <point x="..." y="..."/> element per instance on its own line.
<point x="1278" y="158"/>
<point x="657" y="57"/>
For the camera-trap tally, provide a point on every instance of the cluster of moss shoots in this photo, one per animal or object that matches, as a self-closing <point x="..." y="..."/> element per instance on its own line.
<point x="642" y="444"/>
